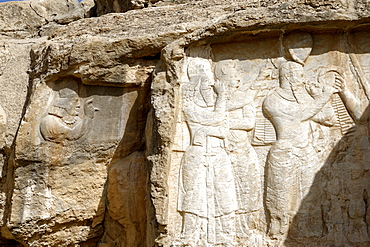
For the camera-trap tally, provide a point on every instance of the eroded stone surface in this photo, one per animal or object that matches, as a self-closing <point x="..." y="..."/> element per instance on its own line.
<point x="302" y="98"/>
<point x="126" y="224"/>
<point x="119" y="6"/>
<point x="60" y="168"/>
<point x="34" y="18"/>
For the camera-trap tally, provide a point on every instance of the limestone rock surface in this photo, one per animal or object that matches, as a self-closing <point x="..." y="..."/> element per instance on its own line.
<point x="61" y="12"/>
<point x="35" y="18"/>
<point x="120" y="6"/>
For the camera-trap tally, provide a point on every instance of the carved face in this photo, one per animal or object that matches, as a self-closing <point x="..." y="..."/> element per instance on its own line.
<point x="297" y="76"/>
<point x="69" y="101"/>
<point x="291" y="74"/>
<point x="75" y="107"/>
<point x="201" y="78"/>
<point x="233" y="81"/>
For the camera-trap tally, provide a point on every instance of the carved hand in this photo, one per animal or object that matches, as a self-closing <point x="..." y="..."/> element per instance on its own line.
<point x="328" y="90"/>
<point x="339" y="85"/>
<point x="219" y="87"/>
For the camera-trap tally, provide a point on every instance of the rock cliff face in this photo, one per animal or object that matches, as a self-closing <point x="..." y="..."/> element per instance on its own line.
<point x="185" y="123"/>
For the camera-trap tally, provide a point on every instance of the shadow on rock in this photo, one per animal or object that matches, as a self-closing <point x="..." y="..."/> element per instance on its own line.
<point x="335" y="212"/>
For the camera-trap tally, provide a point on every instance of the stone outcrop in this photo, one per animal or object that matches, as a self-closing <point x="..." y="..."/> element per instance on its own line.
<point x="120" y="6"/>
<point x="184" y="123"/>
<point x="35" y="18"/>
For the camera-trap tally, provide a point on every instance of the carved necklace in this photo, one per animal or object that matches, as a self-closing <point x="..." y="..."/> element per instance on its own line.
<point x="70" y="120"/>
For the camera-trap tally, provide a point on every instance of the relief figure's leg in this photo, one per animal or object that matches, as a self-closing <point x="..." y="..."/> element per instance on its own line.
<point x="225" y="200"/>
<point x="226" y="230"/>
<point x="191" y="229"/>
<point x="282" y="189"/>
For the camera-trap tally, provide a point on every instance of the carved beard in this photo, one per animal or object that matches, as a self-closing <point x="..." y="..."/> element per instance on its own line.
<point x="70" y="120"/>
<point x="207" y="92"/>
<point x="292" y="81"/>
<point x="204" y="95"/>
<point x="199" y="100"/>
<point x="207" y="95"/>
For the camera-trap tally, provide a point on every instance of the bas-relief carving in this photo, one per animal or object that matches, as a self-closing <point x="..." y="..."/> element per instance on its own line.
<point x="64" y="145"/>
<point x="72" y="117"/>
<point x="216" y="190"/>
<point x="241" y="115"/>
<point x="65" y="121"/>
<point x="340" y="187"/>
<point x="291" y="107"/>
<point x="346" y="196"/>
<point x="295" y="108"/>
<point x="207" y="193"/>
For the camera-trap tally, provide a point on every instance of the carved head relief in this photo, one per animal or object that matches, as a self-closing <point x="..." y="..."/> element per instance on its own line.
<point x="66" y="120"/>
<point x="69" y="101"/>
<point x="226" y="71"/>
<point x="198" y="66"/>
<point x="291" y="74"/>
<point x="298" y="46"/>
<point x="201" y="82"/>
<point x="206" y="90"/>
<point x="66" y="100"/>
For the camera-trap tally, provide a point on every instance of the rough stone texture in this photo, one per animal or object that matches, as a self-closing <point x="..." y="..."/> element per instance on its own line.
<point x="22" y="25"/>
<point x="60" y="164"/>
<point x="173" y="125"/>
<point x="119" y="6"/>
<point x="15" y="64"/>
<point x="89" y="8"/>
<point x="125" y="223"/>
<point x="61" y="12"/>
<point x="34" y="18"/>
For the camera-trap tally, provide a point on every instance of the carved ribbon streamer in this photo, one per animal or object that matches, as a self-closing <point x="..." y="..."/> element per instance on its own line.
<point x="359" y="73"/>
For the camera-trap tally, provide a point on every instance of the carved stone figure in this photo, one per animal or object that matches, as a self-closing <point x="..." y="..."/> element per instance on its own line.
<point x="241" y="115"/>
<point x="65" y="120"/>
<point x="290" y="108"/>
<point x="207" y="194"/>
<point x="355" y="164"/>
